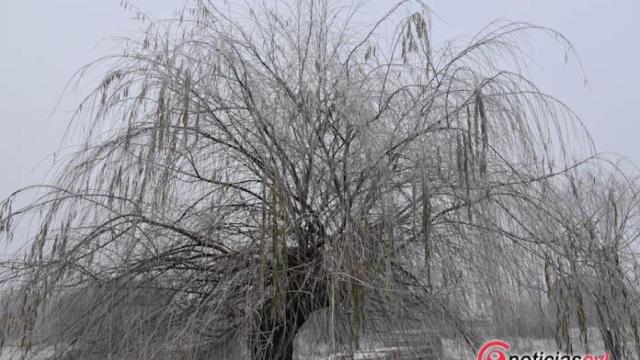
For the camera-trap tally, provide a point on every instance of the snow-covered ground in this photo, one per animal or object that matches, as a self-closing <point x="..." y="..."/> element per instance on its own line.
<point x="452" y="351"/>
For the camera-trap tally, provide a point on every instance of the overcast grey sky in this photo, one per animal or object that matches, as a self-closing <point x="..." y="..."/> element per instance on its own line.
<point x="42" y="43"/>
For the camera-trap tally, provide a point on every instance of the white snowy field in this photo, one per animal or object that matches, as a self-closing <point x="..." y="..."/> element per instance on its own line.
<point x="452" y="350"/>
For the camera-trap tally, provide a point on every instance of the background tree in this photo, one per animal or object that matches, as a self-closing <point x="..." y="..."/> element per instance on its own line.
<point x="255" y="165"/>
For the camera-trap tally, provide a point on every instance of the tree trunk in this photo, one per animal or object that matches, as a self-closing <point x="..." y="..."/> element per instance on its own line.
<point x="277" y="324"/>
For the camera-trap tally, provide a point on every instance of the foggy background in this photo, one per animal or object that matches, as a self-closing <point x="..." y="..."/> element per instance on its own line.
<point x="42" y="43"/>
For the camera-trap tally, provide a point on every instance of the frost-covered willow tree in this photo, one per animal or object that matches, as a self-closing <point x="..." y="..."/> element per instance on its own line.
<point x="243" y="167"/>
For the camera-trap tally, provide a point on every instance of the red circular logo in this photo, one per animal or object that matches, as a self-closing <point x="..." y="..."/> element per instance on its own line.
<point x="494" y="350"/>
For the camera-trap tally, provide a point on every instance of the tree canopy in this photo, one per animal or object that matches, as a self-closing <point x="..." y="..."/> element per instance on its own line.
<point x="251" y="165"/>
